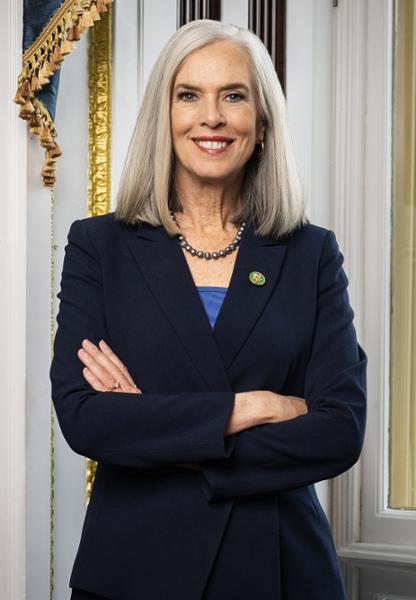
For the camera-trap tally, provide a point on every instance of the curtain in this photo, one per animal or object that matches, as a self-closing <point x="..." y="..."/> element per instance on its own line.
<point x="50" y="30"/>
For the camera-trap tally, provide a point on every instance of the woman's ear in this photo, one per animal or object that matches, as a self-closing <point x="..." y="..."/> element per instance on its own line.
<point x="261" y="128"/>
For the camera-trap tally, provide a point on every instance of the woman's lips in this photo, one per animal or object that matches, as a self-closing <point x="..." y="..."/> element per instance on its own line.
<point x="213" y="151"/>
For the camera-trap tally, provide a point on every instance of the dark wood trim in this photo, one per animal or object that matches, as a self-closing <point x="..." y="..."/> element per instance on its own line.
<point x="190" y="10"/>
<point x="267" y="19"/>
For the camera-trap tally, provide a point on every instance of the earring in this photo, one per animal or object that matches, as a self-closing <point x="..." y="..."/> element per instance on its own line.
<point x="262" y="148"/>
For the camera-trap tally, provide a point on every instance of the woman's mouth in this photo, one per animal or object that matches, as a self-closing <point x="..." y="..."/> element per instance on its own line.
<point x="212" y="148"/>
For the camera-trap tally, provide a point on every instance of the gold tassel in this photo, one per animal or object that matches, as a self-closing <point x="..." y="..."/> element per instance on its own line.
<point x="43" y="80"/>
<point x="101" y="7"/>
<point x="27" y="110"/>
<point x="67" y="21"/>
<point x="34" y="84"/>
<point x="53" y="62"/>
<point x="87" y="20"/>
<point x="66" y="47"/>
<point x="94" y="13"/>
<point x="73" y="34"/>
<point x="35" y="120"/>
<point x="57" y="54"/>
<point x="54" y="66"/>
<point x="46" y="70"/>
<point x="79" y="24"/>
<point x="25" y="90"/>
<point x="19" y="98"/>
<point x="48" y="171"/>
<point x="49" y="181"/>
<point x="55" y="151"/>
<point x="45" y="138"/>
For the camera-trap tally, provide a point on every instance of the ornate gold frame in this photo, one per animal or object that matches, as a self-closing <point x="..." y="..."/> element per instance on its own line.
<point x="99" y="141"/>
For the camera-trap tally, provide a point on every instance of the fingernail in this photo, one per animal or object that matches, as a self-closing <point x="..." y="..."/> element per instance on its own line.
<point x="87" y="343"/>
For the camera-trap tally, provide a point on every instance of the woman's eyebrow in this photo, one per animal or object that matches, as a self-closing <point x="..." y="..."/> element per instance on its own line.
<point x="227" y="86"/>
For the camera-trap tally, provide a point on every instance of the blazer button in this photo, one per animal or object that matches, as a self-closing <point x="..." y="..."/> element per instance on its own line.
<point x="257" y="278"/>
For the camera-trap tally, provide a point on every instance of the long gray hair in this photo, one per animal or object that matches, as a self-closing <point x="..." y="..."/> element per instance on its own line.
<point x="271" y="192"/>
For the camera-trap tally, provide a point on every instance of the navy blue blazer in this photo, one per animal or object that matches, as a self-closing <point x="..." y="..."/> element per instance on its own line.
<point x="249" y="524"/>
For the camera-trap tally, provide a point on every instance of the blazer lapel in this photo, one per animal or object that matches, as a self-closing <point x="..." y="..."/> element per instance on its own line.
<point x="164" y="267"/>
<point x="244" y="301"/>
<point x="161" y="261"/>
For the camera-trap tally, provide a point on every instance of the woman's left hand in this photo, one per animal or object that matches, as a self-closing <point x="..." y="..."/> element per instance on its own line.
<point x="104" y="370"/>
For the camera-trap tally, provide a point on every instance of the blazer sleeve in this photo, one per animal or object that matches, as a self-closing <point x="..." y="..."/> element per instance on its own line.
<point x="138" y="430"/>
<point x="328" y="439"/>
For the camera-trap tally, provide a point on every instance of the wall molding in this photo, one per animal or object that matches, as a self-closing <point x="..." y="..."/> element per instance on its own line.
<point x="267" y="19"/>
<point x="363" y="525"/>
<point x="12" y="311"/>
<point x="391" y="553"/>
<point x="348" y="210"/>
<point x="190" y="10"/>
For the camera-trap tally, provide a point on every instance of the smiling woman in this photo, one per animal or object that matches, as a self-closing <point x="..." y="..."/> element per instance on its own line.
<point x="213" y="79"/>
<point x="206" y="355"/>
<point x="222" y="110"/>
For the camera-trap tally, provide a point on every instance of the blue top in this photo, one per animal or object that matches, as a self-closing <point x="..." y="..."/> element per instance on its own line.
<point x="212" y="297"/>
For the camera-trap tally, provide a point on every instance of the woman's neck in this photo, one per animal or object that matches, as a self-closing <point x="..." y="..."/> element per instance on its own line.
<point x="207" y="209"/>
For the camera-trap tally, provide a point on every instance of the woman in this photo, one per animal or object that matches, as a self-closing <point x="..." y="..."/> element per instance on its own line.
<point x="206" y="355"/>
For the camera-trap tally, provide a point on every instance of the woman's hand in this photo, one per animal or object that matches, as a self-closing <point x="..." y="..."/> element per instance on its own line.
<point x="103" y="370"/>
<point x="259" y="407"/>
<point x="283" y="408"/>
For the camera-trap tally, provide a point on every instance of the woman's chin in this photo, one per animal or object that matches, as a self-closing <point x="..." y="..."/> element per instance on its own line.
<point x="213" y="175"/>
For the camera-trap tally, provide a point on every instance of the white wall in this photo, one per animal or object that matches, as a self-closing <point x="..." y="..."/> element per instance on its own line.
<point x="309" y="105"/>
<point x="309" y="99"/>
<point x="12" y="310"/>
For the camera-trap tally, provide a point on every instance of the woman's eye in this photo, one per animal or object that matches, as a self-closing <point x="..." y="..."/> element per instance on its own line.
<point x="239" y="96"/>
<point x="183" y="94"/>
<point x="188" y="96"/>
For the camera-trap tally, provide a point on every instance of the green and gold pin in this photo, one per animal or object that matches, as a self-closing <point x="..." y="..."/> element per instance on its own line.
<point x="257" y="278"/>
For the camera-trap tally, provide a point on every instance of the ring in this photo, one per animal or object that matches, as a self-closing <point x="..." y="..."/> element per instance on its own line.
<point x="115" y="386"/>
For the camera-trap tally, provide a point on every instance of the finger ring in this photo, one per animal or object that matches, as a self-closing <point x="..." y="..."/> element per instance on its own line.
<point x="115" y="386"/>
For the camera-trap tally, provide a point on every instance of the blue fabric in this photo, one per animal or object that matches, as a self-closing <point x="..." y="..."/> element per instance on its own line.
<point x="36" y="15"/>
<point x="212" y="297"/>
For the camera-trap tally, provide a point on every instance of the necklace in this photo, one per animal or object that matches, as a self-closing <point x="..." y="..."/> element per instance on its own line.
<point x="208" y="255"/>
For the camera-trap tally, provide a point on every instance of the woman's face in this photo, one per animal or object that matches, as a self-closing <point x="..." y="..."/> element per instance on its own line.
<point x="213" y="98"/>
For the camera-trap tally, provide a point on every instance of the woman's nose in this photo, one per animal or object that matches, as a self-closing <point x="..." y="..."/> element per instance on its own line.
<point x="211" y="113"/>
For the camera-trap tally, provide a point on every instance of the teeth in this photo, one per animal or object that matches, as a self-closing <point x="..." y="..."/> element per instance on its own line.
<point x="206" y="144"/>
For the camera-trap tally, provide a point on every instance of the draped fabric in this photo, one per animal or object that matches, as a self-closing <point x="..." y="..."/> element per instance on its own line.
<point x="36" y="13"/>
<point x="50" y="30"/>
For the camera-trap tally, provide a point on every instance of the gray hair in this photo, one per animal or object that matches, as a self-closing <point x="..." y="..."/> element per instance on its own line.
<point x="271" y="193"/>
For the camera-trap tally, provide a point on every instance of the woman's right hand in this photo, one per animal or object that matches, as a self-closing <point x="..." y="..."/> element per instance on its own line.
<point x="283" y="408"/>
<point x="263" y="406"/>
<point x="257" y="408"/>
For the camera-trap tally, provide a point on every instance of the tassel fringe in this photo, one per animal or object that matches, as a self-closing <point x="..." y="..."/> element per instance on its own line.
<point x="41" y="60"/>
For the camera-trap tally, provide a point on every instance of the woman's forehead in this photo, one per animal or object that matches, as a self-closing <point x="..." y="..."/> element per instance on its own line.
<point x="214" y="62"/>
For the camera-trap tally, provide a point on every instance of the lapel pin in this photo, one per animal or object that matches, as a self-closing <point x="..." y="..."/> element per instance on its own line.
<point x="257" y="278"/>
